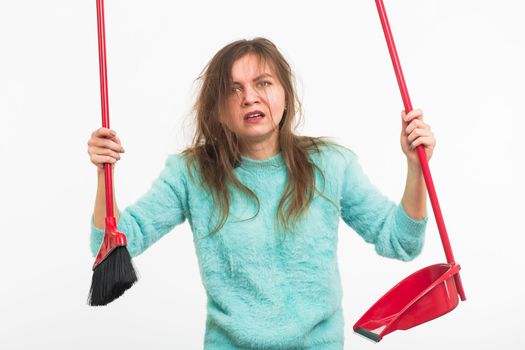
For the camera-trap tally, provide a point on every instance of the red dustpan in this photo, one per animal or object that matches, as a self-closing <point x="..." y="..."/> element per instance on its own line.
<point x="432" y="291"/>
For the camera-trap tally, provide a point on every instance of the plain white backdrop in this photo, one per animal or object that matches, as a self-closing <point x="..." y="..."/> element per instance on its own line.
<point x="463" y="63"/>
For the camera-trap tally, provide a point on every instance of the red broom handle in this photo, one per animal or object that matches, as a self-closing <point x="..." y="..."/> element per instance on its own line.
<point x="104" y="102"/>
<point x="420" y="150"/>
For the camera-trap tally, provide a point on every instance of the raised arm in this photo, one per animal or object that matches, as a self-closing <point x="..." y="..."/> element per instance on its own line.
<point x="376" y="218"/>
<point x="153" y="215"/>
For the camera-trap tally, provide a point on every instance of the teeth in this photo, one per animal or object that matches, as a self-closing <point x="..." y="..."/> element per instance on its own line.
<point x="254" y="115"/>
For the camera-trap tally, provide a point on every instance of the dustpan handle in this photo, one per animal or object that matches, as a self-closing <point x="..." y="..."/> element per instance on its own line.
<point x="420" y="150"/>
<point x="108" y="177"/>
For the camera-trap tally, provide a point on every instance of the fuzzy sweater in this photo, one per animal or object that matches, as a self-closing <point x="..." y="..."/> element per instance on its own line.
<point x="265" y="291"/>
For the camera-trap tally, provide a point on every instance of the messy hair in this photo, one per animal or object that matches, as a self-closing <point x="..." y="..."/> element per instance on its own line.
<point x="215" y="148"/>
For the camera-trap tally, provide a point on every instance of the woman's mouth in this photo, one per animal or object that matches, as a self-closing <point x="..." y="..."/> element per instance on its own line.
<point x="254" y="116"/>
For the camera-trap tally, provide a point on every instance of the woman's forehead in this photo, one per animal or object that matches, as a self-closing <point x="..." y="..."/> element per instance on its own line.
<point x="250" y="68"/>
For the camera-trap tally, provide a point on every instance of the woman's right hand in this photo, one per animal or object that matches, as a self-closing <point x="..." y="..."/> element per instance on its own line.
<point x="104" y="147"/>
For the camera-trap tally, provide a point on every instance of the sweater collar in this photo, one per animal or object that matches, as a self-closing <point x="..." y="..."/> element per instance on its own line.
<point x="274" y="161"/>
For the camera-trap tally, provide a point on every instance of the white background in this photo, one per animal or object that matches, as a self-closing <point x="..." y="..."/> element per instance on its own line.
<point x="463" y="63"/>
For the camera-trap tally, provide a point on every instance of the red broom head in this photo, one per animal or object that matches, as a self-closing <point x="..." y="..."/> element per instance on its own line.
<point x="112" y="277"/>
<point x="113" y="270"/>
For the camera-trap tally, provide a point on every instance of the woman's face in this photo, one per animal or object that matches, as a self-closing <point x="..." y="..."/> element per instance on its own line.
<point x="255" y="89"/>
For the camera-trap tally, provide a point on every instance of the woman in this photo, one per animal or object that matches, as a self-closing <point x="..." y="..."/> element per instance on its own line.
<point x="264" y="205"/>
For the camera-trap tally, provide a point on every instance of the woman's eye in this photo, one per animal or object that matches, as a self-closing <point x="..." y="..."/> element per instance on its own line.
<point x="265" y="83"/>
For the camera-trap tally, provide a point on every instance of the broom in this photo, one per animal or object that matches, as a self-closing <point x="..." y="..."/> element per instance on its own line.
<point x="113" y="270"/>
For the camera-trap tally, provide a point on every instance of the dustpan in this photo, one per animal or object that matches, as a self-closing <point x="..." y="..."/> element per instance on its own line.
<point x="432" y="291"/>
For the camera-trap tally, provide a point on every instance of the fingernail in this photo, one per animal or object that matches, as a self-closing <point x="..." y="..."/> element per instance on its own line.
<point x="113" y="132"/>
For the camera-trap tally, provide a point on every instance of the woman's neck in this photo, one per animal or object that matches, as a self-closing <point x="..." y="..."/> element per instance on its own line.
<point x="260" y="150"/>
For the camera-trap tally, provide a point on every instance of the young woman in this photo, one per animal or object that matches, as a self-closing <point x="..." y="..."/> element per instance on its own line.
<point x="264" y="205"/>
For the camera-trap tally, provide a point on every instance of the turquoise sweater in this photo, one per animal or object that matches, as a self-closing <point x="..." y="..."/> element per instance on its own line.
<point x="264" y="292"/>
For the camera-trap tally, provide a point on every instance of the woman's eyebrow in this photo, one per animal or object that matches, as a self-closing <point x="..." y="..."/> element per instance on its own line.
<point x="260" y="77"/>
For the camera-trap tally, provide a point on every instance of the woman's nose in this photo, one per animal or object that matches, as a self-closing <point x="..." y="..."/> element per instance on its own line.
<point x="250" y="96"/>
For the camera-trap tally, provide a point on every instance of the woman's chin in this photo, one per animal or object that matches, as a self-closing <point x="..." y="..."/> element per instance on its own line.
<point x="256" y="135"/>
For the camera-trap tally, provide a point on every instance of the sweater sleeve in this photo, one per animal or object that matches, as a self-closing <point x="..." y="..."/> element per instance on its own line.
<point x="376" y="218"/>
<point x="154" y="214"/>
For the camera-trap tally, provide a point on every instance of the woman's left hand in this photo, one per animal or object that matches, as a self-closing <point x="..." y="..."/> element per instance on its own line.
<point x="415" y="132"/>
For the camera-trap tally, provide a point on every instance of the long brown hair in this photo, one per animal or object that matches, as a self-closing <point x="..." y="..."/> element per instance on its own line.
<point x="215" y="148"/>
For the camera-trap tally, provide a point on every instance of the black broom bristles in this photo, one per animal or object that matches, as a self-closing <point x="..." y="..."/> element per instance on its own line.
<point x="112" y="277"/>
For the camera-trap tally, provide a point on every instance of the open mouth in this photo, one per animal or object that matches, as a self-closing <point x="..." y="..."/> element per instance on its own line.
<point x="254" y="115"/>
